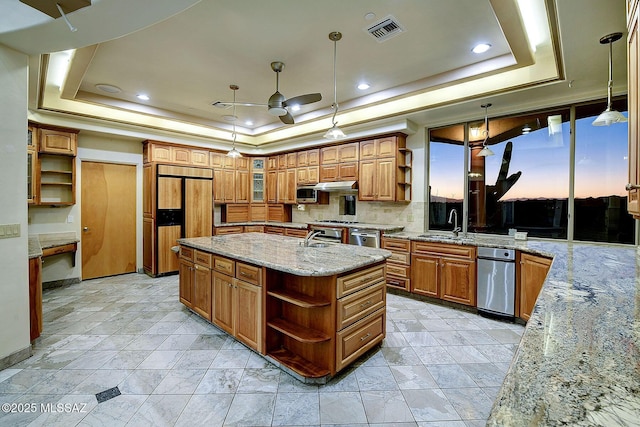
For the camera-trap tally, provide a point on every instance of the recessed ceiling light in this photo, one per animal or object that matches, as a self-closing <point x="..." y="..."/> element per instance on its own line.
<point x="369" y="16"/>
<point x="363" y="86"/>
<point x="108" y="88"/>
<point x="229" y="118"/>
<point x="248" y="123"/>
<point x="481" y="48"/>
<point x="142" y="97"/>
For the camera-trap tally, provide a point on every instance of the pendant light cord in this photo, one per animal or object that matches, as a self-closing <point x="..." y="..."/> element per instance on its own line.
<point x="335" y="84"/>
<point x="610" y="83"/>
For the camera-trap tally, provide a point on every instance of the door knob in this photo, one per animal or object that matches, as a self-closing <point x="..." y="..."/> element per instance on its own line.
<point x="630" y="187"/>
<point x="85" y="228"/>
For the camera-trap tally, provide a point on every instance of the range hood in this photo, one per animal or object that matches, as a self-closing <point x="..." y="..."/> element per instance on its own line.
<point x="337" y="186"/>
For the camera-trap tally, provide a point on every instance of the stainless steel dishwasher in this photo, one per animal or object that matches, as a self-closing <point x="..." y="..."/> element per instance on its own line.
<point x="497" y="281"/>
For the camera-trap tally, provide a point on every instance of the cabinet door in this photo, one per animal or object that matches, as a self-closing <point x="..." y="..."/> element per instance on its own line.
<point x="186" y="282"/>
<point x="31" y="175"/>
<point x="348" y="171"/>
<point x="386" y="147"/>
<point x="367" y="180"/>
<point x="223" y="301"/>
<point x="180" y="155"/>
<point x="198" y="210"/>
<point x="148" y="190"/>
<point x="533" y="272"/>
<point x="248" y="316"/>
<point x="167" y="237"/>
<point x="313" y="157"/>
<point x="242" y="186"/>
<point x="202" y="291"/>
<point x="329" y="155"/>
<point x="169" y="193"/>
<point x="329" y="173"/>
<point x="348" y="152"/>
<point x="272" y="163"/>
<point x="229" y="184"/>
<point x="633" y="102"/>
<point x="425" y="275"/>
<point x="368" y="149"/>
<point x="58" y="142"/>
<point x="312" y="174"/>
<point x="302" y="175"/>
<point x="292" y="160"/>
<point x="242" y="163"/>
<point x="290" y="186"/>
<point x="257" y="187"/>
<point x="385" y="179"/>
<point x="148" y="245"/>
<point x="218" y="186"/>
<point x="272" y="186"/>
<point x="200" y="158"/>
<point x="281" y="189"/>
<point x="458" y="280"/>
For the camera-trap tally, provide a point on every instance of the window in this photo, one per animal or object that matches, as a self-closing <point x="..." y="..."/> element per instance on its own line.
<point x="601" y="172"/>
<point x="446" y="178"/>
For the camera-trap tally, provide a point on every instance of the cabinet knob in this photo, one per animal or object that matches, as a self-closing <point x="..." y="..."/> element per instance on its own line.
<point x="631" y="186"/>
<point x="85" y="228"/>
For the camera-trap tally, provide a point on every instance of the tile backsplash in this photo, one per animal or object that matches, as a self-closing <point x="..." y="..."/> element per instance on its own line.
<point x="410" y="215"/>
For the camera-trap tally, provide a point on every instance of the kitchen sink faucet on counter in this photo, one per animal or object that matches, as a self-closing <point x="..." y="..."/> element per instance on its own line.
<point x="310" y="309"/>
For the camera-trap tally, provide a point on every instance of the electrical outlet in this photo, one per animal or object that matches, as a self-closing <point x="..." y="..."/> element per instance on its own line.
<point x="301" y="207"/>
<point x="8" y="231"/>
<point x="70" y="219"/>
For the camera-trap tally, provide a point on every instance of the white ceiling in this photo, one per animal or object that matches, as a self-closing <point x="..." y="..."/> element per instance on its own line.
<point x="184" y="54"/>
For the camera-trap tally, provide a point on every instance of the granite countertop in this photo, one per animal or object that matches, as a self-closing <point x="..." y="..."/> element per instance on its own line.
<point x="38" y="242"/>
<point x="285" y="253"/>
<point x="387" y="228"/>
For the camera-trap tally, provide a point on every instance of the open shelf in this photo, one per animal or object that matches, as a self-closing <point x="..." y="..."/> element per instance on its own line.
<point x="298" y="364"/>
<point x="298" y="332"/>
<point x="297" y="298"/>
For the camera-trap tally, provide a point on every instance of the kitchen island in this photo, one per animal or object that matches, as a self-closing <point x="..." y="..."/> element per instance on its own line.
<point x="310" y="310"/>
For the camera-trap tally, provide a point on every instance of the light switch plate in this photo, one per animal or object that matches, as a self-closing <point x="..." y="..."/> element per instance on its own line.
<point x="8" y="231"/>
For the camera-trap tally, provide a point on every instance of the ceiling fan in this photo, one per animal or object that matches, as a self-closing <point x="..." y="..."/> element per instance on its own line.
<point x="278" y="105"/>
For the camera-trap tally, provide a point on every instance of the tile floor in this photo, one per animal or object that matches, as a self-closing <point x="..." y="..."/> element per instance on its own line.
<point x="437" y="367"/>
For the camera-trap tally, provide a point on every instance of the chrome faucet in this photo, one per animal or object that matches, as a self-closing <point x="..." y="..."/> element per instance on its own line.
<point x="453" y="215"/>
<point x="310" y="235"/>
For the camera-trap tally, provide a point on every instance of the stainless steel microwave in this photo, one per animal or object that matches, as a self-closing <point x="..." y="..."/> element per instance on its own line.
<point x="306" y="195"/>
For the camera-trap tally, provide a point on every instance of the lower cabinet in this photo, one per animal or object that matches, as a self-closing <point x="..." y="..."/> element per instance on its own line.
<point x="444" y="271"/>
<point x="195" y="281"/>
<point x="532" y="274"/>
<point x="399" y="264"/>
<point x="237" y="300"/>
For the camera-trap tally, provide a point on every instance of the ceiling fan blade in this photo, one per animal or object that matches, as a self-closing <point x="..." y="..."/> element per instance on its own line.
<point x="303" y="99"/>
<point x="224" y="104"/>
<point x="287" y="119"/>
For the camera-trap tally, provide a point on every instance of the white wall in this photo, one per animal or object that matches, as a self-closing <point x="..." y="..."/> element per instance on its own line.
<point x="14" y="283"/>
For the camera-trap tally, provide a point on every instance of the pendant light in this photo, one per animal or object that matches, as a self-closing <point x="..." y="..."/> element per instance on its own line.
<point x="486" y="151"/>
<point x="335" y="132"/>
<point x="233" y="152"/>
<point x="609" y="115"/>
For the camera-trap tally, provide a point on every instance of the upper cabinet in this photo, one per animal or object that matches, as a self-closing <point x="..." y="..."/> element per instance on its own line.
<point x="385" y="170"/>
<point x="51" y="165"/>
<point x="633" y="73"/>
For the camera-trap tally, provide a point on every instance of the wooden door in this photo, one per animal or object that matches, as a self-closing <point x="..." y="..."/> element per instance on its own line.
<point x="198" y="210"/>
<point x="367" y="180"/>
<point x="108" y="214"/>
<point x="458" y="280"/>
<point x="329" y="173"/>
<point x="385" y="179"/>
<point x="201" y="298"/>
<point x="368" y="149"/>
<point x="242" y="186"/>
<point x="272" y="186"/>
<point x="290" y="186"/>
<point x="386" y="147"/>
<point x="425" y="275"/>
<point x="533" y="272"/>
<point x="348" y="171"/>
<point x="229" y="184"/>
<point x="223" y="302"/>
<point x="248" y="307"/>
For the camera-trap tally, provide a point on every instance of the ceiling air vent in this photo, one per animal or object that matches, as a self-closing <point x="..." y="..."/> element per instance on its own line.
<point x="384" y="30"/>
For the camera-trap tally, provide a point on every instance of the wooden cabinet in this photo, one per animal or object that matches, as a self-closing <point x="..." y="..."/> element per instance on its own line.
<point x="385" y="170"/>
<point x="399" y="264"/>
<point x="533" y="271"/>
<point x="295" y="232"/>
<point x="202" y="291"/>
<point x="200" y="158"/>
<point x="633" y="74"/>
<point x="309" y="157"/>
<point x="32" y="161"/>
<point x="339" y="172"/>
<point x="307" y="175"/>
<point x="224" y="186"/>
<point x="278" y="213"/>
<point x="444" y="271"/>
<point x="257" y="212"/>
<point x="339" y="153"/>
<point x="377" y="180"/>
<point x="167" y="237"/>
<point x="180" y="155"/>
<point x="375" y="148"/>
<point x="237" y="300"/>
<point x="58" y="141"/>
<point x="290" y="187"/>
<point x="272" y="186"/>
<point x="219" y="160"/>
<point x="195" y="287"/>
<point x="236" y="229"/>
<point x="258" y="180"/>
<point x="339" y="163"/>
<point x="242" y="186"/>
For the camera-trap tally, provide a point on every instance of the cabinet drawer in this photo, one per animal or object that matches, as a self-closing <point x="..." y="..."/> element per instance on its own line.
<point x="224" y="265"/>
<point x="186" y="253"/>
<point x="360" y="304"/>
<point x="358" y="338"/>
<point x="202" y="258"/>
<point x="399" y="282"/>
<point x="360" y="280"/>
<point x="396" y="244"/>
<point x="400" y="258"/>
<point x="444" y="249"/>
<point x="398" y="270"/>
<point x="249" y="273"/>
<point x="237" y="229"/>
<point x="254" y="228"/>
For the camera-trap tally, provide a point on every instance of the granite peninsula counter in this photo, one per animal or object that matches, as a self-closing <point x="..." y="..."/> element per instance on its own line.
<point x="578" y="362"/>
<point x="310" y="310"/>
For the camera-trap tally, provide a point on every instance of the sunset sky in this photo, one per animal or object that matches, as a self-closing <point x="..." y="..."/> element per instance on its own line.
<point x="601" y="164"/>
